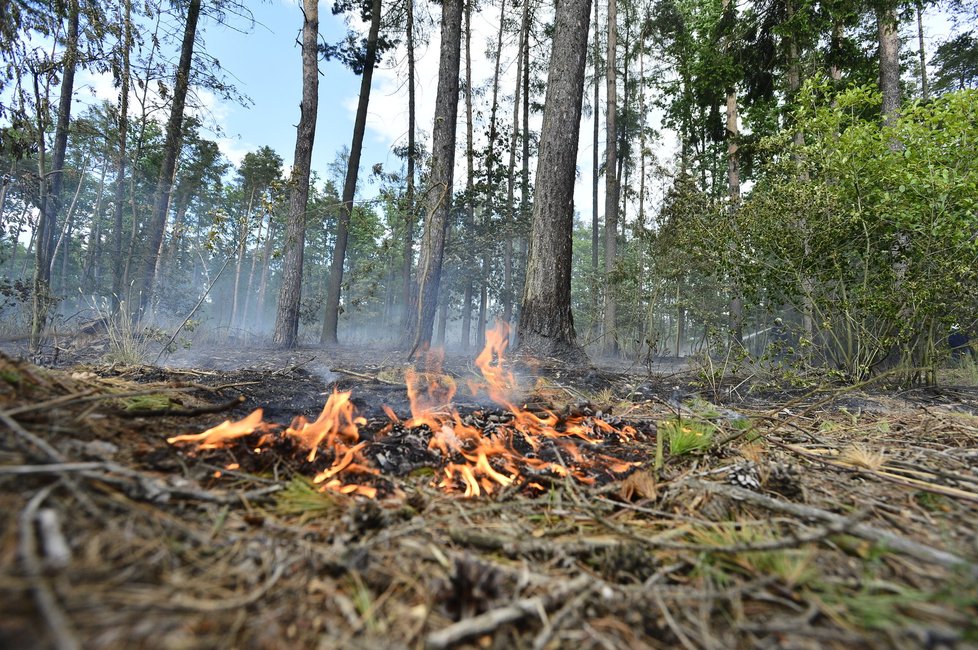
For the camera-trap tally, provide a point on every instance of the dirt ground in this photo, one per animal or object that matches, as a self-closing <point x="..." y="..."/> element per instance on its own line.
<point x="797" y="518"/>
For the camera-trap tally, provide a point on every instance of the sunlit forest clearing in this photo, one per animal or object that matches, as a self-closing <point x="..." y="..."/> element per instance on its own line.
<point x="655" y="325"/>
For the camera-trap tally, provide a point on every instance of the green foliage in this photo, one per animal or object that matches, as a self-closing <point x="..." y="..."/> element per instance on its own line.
<point x="686" y="436"/>
<point x="872" y="228"/>
<point x="957" y="64"/>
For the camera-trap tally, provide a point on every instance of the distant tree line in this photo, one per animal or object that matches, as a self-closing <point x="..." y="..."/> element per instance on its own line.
<point x="823" y="175"/>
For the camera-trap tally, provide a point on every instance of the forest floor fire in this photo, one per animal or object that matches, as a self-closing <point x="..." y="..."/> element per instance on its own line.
<point x="441" y="506"/>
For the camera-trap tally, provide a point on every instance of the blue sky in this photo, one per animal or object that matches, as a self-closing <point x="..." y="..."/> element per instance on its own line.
<point x="265" y="64"/>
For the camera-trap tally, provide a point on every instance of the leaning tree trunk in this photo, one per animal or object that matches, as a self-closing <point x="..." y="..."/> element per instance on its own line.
<point x="610" y="330"/>
<point x="439" y="193"/>
<point x="287" y="314"/>
<point x="50" y="202"/>
<point x="171" y="149"/>
<point x="546" y="325"/>
<point x="350" y="186"/>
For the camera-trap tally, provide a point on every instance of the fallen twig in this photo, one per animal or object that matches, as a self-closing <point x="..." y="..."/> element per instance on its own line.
<point x="361" y="375"/>
<point x="864" y="531"/>
<point x="34" y="440"/>
<point x="495" y="618"/>
<point x="57" y="621"/>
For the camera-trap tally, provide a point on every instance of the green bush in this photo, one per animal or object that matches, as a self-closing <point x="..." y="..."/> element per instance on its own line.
<point x="872" y="230"/>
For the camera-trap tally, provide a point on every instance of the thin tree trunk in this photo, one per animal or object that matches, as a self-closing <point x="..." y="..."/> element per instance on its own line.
<point x="335" y="285"/>
<point x="924" y="89"/>
<point x="286" y="332"/>
<point x="50" y="201"/>
<point x="409" y="216"/>
<point x="242" y="244"/>
<point x="171" y="149"/>
<point x="441" y="176"/>
<point x="546" y="324"/>
<point x="642" y="137"/>
<point x="249" y="292"/>
<point x="265" y="271"/>
<point x="20" y="227"/>
<point x="733" y="193"/>
<point x="129" y="270"/>
<point x="491" y="164"/>
<point x="596" y="160"/>
<point x="610" y="333"/>
<point x="511" y="184"/>
<point x="469" y="178"/>
<point x="119" y="189"/>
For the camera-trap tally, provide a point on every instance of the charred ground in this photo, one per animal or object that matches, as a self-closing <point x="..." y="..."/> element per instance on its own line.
<point x="813" y="518"/>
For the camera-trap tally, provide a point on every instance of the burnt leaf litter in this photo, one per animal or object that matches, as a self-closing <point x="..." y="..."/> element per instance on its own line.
<point x="759" y="517"/>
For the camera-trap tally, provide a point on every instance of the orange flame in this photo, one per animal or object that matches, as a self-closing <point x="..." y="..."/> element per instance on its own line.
<point x="336" y="422"/>
<point x="476" y="462"/>
<point x="223" y="433"/>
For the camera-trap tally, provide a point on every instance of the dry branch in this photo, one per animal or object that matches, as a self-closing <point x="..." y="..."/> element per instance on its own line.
<point x="494" y="619"/>
<point x="47" y="603"/>
<point x="889" y="540"/>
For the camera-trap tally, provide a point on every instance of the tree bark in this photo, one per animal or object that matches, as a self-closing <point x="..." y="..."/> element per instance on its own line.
<point x="171" y="149"/>
<point x="508" y="228"/>
<point x="546" y="324"/>
<point x="350" y="186"/>
<point x="609" y="330"/>
<point x="439" y="193"/>
<point x="50" y="200"/>
<point x="596" y="160"/>
<point x="409" y="218"/>
<point x="286" y="332"/>
<point x="119" y="189"/>
<point x="469" y="178"/>
<point x="889" y="54"/>
<point x="922" y="53"/>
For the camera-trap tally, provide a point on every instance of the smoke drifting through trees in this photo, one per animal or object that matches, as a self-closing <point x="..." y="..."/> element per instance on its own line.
<point x="108" y="207"/>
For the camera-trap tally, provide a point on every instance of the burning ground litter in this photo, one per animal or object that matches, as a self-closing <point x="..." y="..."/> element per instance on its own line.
<point x="829" y="521"/>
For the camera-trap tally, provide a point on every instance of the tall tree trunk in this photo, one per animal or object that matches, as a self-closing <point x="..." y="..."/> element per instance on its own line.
<point x="119" y="189"/>
<point x="171" y="149"/>
<point x="596" y="161"/>
<point x="290" y="293"/>
<point x="50" y="200"/>
<point x="265" y="272"/>
<point x="546" y="324"/>
<point x="439" y="194"/>
<point x="733" y="193"/>
<point x="835" y="70"/>
<point x="610" y="333"/>
<point x="889" y="54"/>
<point x="249" y="292"/>
<point x="642" y="136"/>
<point x="350" y="186"/>
<point x="491" y="165"/>
<point x="409" y="214"/>
<point x="508" y="228"/>
<point x="469" y="179"/>
<point x="922" y="53"/>
<point x="242" y="247"/>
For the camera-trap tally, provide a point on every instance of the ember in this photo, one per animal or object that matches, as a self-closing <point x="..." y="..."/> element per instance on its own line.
<point x="528" y="449"/>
